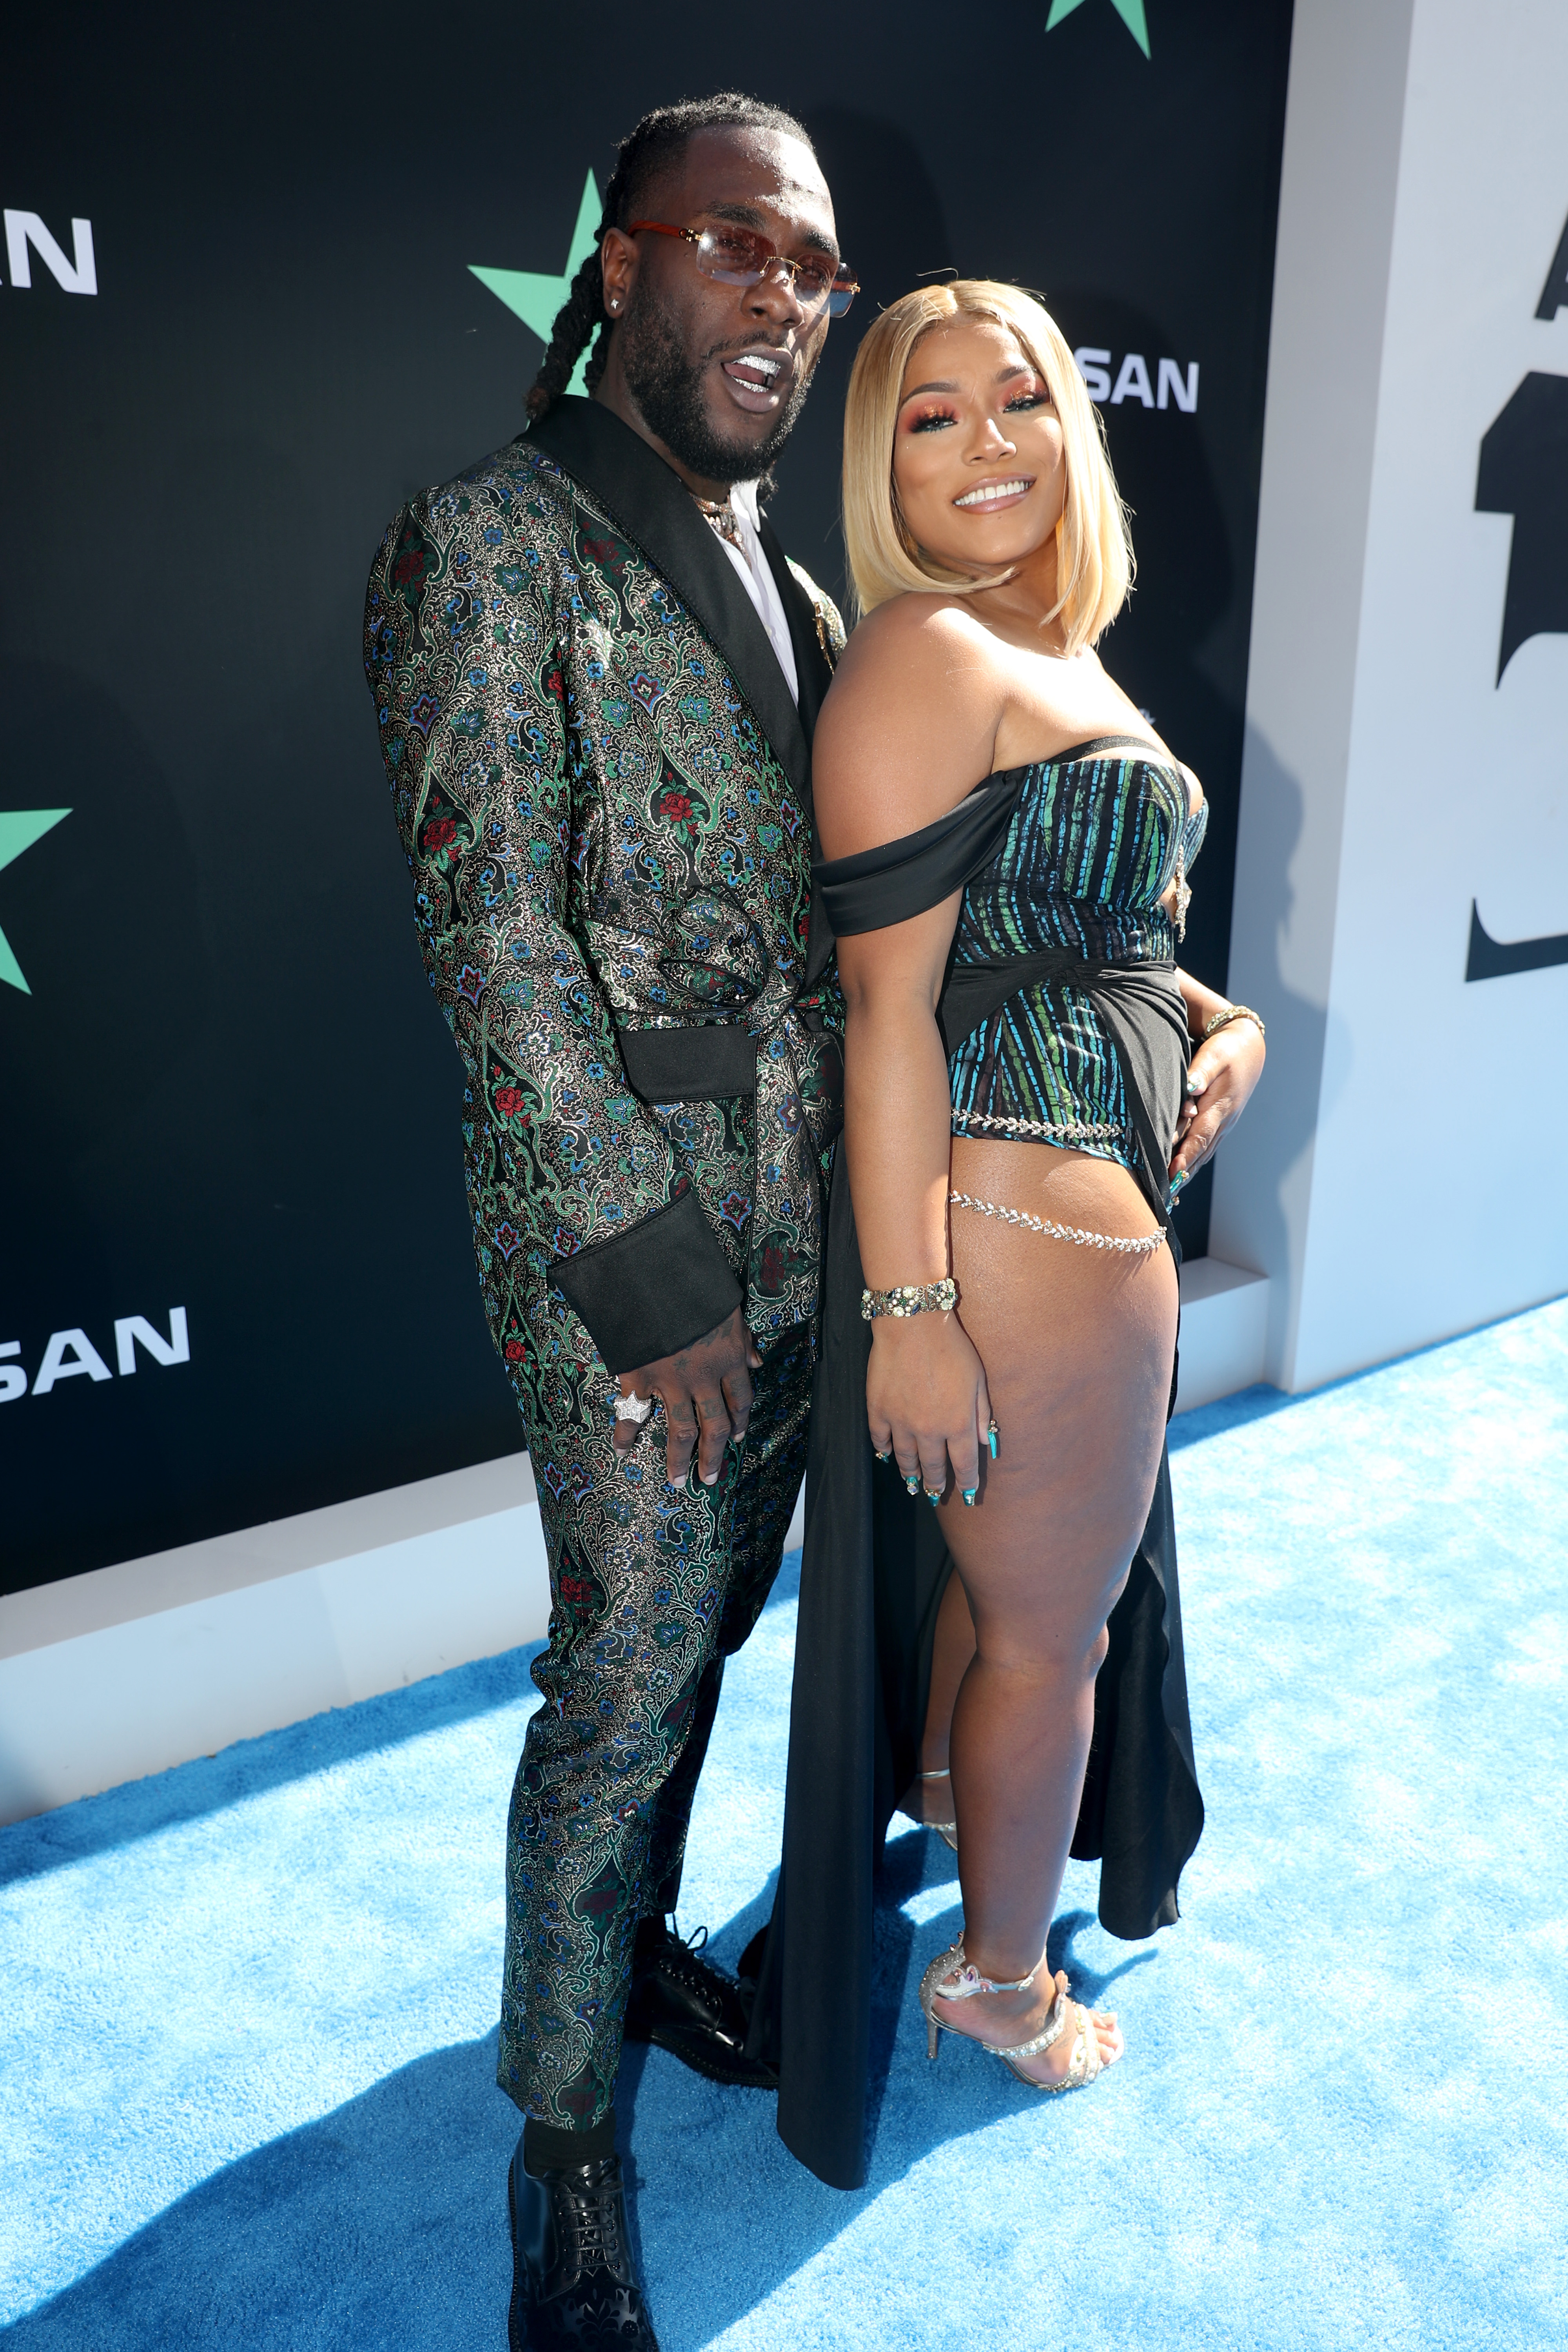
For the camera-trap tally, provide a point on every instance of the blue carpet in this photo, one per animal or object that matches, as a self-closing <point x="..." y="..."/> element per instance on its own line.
<point x="247" y="2030"/>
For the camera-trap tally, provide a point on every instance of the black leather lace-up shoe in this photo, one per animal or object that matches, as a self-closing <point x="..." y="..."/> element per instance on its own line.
<point x="682" y="2003"/>
<point x="574" y="2286"/>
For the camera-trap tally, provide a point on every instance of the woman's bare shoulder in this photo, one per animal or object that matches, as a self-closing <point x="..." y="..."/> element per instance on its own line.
<point x="909" y="724"/>
<point x="903" y="635"/>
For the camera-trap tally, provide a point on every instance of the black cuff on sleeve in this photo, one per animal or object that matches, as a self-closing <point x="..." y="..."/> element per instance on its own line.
<point x="652" y="1289"/>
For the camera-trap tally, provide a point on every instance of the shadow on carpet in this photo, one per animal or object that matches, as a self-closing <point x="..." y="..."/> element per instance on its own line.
<point x="384" y="2223"/>
<point x="356" y="2229"/>
<point x="209" y="1784"/>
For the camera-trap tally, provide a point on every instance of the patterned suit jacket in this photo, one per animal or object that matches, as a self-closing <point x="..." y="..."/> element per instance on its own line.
<point x="602" y="784"/>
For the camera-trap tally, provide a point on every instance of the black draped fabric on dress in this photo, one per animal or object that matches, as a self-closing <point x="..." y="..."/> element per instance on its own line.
<point x="875" y="1565"/>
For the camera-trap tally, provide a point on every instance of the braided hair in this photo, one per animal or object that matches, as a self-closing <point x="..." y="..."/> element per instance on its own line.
<point x="656" y="141"/>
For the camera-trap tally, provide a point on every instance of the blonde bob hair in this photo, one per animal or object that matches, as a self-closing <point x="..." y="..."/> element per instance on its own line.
<point x="1094" y="561"/>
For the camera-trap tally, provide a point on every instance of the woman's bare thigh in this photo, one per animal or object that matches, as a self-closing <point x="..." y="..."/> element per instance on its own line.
<point x="1077" y="1344"/>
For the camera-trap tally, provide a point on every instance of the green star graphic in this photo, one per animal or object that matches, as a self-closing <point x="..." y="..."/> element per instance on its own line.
<point x="535" y="298"/>
<point x="1130" y="11"/>
<point x="19" y="828"/>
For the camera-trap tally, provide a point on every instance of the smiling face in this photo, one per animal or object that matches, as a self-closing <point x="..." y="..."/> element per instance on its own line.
<point x="978" y="463"/>
<point x="717" y="374"/>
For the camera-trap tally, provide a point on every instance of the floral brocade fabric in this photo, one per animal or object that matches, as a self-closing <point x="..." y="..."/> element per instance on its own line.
<point x="600" y="836"/>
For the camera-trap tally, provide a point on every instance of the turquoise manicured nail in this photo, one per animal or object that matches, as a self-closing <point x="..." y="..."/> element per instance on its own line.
<point x="932" y="1499"/>
<point x="991" y="1441"/>
<point x="970" y="1493"/>
<point x="1177" y="1183"/>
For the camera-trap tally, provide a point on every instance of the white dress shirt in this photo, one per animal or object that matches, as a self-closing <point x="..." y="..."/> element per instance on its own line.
<point x="757" y="579"/>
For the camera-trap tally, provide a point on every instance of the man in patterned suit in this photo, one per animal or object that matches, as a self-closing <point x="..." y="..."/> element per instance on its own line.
<point x="596" y="678"/>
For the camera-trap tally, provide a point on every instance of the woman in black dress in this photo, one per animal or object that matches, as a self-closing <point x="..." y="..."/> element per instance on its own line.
<point x="1006" y="848"/>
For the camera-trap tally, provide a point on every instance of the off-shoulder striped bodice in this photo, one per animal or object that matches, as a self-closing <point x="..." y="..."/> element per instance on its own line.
<point x="1090" y="848"/>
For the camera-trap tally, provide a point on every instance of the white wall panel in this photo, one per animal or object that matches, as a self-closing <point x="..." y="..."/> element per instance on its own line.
<point x="1394" y="1174"/>
<point x="109" y="1676"/>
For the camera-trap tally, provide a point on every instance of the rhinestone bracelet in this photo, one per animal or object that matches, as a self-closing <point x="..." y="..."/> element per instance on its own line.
<point x="1232" y="1012"/>
<point x="910" y="1298"/>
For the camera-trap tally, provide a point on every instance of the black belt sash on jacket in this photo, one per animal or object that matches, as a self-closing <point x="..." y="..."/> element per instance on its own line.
<point x="705" y="1065"/>
<point x="711" y="1063"/>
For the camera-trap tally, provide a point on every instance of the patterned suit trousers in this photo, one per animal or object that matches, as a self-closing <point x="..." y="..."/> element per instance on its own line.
<point x="652" y="1587"/>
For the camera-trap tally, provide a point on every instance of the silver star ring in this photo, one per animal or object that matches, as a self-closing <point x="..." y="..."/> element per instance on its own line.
<point x="633" y="1408"/>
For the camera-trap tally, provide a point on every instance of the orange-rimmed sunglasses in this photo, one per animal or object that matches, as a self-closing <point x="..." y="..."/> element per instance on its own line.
<point x="737" y="256"/>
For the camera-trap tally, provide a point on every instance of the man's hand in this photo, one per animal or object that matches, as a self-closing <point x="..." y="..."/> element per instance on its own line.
<point x="706" y="1393"/>
<point x="1219" y="1086"/>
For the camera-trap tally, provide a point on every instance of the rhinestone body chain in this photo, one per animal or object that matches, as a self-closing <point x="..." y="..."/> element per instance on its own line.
<point x="1143" y="1248"/>
<point x="1080" y="1131"/>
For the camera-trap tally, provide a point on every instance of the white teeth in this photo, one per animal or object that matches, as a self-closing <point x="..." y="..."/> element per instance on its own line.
<point x="988" y="491"/>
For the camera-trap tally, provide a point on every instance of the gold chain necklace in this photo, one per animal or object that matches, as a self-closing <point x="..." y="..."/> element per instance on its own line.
<point x="721" y="517"/>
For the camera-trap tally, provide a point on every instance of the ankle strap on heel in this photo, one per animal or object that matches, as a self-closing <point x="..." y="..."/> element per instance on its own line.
<point x="965" y="1978"/>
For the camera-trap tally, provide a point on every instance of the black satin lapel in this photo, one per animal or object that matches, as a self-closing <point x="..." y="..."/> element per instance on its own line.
<point x="653" y="505"/>
<point x="813" y="670"/>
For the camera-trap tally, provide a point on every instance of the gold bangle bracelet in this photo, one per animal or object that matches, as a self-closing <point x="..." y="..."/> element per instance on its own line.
<point x="1232" y="1012"/>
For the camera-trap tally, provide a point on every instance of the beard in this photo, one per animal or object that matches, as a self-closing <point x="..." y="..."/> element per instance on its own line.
<point x="668" y="388"/>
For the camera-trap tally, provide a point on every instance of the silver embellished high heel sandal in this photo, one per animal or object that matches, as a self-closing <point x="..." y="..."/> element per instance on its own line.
<point x="952" y="1976"/>
<point x="948" y="1830"/>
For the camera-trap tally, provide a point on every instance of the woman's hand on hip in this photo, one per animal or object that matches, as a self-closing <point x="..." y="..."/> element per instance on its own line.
<point x="1223" y="1073"/>
<point x="926" y="1400"/>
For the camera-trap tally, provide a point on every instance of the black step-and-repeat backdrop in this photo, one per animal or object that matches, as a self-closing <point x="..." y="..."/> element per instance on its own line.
<point x="266" y="273"/>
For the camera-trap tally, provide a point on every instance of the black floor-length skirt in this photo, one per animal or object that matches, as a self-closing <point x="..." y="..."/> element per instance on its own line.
<point x="873" y="1573"/>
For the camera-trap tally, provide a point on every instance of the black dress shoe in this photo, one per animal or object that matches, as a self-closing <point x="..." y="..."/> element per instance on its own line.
<point x="574" y="2286"/>
<point x="682" y="2003"/>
